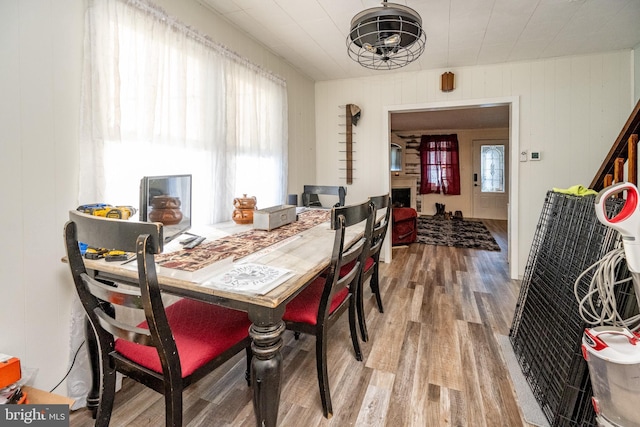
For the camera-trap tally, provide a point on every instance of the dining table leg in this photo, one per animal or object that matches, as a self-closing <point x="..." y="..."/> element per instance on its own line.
<point x="266" y="365"/>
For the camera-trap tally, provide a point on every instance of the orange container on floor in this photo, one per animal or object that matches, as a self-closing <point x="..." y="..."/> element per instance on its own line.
<point x="9" y="371"/>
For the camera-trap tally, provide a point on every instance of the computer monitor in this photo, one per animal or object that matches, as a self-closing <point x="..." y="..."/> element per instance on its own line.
<point x="167" y="199"/>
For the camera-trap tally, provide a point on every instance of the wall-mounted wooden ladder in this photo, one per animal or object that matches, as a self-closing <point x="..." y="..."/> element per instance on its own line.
<point x="348" y="151"/>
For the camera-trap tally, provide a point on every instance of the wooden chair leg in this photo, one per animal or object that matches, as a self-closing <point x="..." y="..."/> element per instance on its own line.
<point x="354" y="330"/>
<point x="323" y="375"/>
<point x="362" y="322"/>
<point x="173" y="406"/>
<point x="375" y="287"/>
<point x="107" y="396"/>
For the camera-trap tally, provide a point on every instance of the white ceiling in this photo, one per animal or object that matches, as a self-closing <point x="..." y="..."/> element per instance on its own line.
<point x="311" y="34"/>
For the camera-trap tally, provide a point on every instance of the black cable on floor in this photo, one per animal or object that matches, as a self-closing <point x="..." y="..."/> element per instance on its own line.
<point x="70" y="367"/>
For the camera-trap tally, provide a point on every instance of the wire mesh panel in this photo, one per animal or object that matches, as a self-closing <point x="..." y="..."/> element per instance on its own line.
<point x="547" y="328"/>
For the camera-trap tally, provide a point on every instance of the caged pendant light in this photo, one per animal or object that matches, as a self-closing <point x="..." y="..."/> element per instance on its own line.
<point x="386" y="37"/>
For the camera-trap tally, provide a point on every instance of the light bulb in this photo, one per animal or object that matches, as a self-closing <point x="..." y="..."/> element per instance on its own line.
<point x="392" y="40"/>
<point x="369" y="47"/>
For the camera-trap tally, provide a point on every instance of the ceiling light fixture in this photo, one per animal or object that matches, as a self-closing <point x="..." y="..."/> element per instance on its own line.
<point x="386" y="37"/>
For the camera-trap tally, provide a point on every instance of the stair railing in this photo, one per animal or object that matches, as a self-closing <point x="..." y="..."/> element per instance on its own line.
<point x="624" y="149"/>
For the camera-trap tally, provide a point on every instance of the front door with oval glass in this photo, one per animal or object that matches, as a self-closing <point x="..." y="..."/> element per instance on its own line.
<point x="490" y="179"/>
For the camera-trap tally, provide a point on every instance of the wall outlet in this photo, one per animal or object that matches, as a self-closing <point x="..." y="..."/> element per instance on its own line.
<point x="524" y="155"/>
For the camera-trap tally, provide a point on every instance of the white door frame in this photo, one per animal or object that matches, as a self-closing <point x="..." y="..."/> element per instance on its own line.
<point x="514" y="166"/>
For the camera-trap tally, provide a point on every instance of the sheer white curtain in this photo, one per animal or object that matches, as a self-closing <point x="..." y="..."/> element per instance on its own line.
<point x="159" y="98"/>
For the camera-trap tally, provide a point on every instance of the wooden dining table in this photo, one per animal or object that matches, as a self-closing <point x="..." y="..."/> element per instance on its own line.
<point x="306" y="255"/>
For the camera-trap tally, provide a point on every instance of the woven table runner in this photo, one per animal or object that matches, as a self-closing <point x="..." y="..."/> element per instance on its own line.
<point x="239" y="245"/>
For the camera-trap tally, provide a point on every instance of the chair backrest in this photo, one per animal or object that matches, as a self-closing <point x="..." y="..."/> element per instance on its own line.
<point x="381" y="225"/>
<point x="310" y="194"/>
<point x="353" y="256"/>
<point x="145" y="239"/>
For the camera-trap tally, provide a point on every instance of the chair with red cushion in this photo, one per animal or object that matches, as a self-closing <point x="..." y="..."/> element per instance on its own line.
<point x="370" y="269"/>
<point x="176" y="346"/>
<point x="320" y="304"/>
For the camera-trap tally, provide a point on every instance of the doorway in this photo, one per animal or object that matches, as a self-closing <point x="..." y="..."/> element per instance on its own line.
<point x="513" y="166"/>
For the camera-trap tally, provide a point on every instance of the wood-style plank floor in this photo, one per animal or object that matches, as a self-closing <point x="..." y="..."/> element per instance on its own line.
<point x="432" y="358"/>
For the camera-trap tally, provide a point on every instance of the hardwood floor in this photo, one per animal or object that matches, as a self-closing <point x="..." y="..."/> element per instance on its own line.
<point x="432" y="358"/>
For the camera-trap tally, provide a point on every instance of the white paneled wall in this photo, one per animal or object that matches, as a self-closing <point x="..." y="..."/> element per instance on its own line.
<point x="40" y="46"/>
<point x="571" y="109"/>
<point x="41" y="56"/>
<point x="636" y="67"/>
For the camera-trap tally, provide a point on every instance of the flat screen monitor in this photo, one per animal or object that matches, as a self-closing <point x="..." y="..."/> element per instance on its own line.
<point x="167" y="199"/>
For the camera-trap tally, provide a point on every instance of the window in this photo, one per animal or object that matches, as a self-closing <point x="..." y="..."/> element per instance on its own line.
<point x="396" y="158"/>
<point x="161" y="99"/>
<point x="439" y="166"/>
<point x="492" y="168"/>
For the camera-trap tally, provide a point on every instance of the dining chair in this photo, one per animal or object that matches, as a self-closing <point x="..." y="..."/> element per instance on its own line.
<point x="175" y="346"/>
<point x="321" y="303"/>
<point x="372" y="262"/>
<point x="310" y="194"/>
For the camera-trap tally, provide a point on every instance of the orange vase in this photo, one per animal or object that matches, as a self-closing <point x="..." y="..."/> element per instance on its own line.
<point x="165" y="209"/>
<point x="244" y="207"/>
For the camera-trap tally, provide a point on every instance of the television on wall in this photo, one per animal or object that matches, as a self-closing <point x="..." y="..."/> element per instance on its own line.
<point x="167" y="199"/>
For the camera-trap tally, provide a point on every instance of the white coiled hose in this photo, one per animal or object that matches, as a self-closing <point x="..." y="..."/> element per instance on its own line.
<point x="598" y="306"/>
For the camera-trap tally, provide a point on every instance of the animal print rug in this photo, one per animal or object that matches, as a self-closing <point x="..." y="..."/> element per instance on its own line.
<point x="457" y="233"/>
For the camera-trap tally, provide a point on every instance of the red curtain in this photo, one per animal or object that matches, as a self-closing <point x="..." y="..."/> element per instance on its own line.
<point x="439" y="168"/>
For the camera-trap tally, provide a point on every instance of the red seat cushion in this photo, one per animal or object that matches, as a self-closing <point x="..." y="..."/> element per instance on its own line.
<point x="202" y="332"/>
<point x="304" y="307"/>
<point x="347" y="267"/>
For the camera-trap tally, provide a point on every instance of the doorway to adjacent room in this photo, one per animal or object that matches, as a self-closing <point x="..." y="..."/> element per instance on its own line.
<point x="431" y="111"/>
